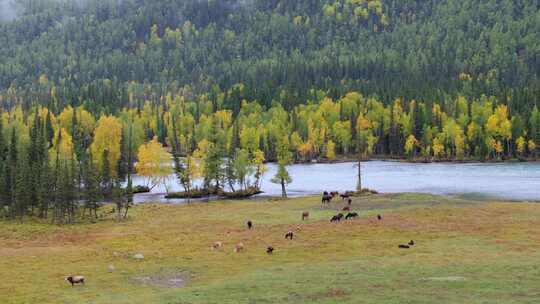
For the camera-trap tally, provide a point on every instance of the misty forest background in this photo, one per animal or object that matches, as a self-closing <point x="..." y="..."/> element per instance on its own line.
<point x="93" y="91"/>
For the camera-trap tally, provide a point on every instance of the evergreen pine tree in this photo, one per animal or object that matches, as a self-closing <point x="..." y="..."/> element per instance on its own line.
<point x="10" y="173"/>
<point x="49" y="130"/>
<point x="3" y="155"/>
<point x="92" y="193"/>
<point x="21" y="193"/>
<point x="106" y="181"/>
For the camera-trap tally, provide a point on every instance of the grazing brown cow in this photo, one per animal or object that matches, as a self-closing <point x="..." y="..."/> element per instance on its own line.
<point x="75" y="280"/>
<point x="289" y="235"/>
<point x="249" y="225"/>
<point x="216" y="245"/>
<point x="270" y="250"/>
<point x="305" y="216"/>
<point x="404" y="246"/>
<point x="239" y="247"/>
<point x="346" y="208"/>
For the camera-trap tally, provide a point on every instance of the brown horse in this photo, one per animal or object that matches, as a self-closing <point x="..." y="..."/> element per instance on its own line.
<point x="327" y="199"/>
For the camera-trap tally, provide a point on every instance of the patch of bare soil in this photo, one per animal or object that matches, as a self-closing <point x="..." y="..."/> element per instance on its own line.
<point x="165" y="279"/>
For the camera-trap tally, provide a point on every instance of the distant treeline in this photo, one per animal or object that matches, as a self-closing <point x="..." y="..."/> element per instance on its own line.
<point x="54" y="165"/>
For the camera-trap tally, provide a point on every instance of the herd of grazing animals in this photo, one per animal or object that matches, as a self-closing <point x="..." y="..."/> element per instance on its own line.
<point x="327" y="197"/>
<point x="239" y="247"/>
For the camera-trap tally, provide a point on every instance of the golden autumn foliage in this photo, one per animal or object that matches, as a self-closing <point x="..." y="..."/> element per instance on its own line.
<point x="154" y="163"/>
<point x="63" y="149"/>
<point x="258" y="162"/>
<point x="305" y="149"/>
<point x="249" y="139"/>
<point x="531" y="145"/>
<point x="410" y="145"/>
<point x="521" y="145"/>
<point x="498" y="124"/>
<point x="438" y="147"/>
<point x="363" y="123"/>
<point x="85" y="120"/>
<point x="330" y="150"/>
<point x="107" y="136"/>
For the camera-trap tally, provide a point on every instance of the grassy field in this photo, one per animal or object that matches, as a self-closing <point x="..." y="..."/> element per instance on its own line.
<point x="466" y="252"/>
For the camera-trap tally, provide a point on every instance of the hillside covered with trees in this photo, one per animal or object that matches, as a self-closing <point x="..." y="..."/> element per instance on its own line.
<point x="94" y="91"/>
<point x="99" y="51"/>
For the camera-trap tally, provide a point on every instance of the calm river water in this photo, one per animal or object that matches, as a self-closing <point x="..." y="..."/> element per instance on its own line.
<point x="515" y="181"/>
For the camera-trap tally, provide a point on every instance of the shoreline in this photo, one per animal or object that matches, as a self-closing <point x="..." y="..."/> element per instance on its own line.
<point x="472" y="196"/>
<point x="413" y="161"/>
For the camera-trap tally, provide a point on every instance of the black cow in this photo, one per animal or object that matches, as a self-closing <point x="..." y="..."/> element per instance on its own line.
<point x="336" y="218"/>
<point x="249" y="224"/>
<point x="351" y="215"/>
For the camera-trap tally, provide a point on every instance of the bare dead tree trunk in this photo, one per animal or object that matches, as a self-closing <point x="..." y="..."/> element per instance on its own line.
<point x="359" y="184"/>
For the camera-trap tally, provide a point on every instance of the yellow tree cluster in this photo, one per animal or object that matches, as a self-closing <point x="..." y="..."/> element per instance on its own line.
<point x="357" y="12"/>
<point x="154" y="163"/>
<point x="107" y="137"/>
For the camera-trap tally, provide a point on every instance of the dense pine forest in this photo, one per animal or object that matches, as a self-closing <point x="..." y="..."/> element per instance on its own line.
<point x="94" y="91"/>
<point x="97" y="52"/>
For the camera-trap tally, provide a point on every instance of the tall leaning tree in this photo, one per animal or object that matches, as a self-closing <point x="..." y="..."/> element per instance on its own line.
<point x="284" y="158"/>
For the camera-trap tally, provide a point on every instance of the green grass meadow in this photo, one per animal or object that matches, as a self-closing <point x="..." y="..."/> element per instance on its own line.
<point x="466" y="252"/>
